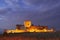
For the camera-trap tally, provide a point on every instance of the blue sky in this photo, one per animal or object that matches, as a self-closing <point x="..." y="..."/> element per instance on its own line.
<point x="42" y="12"/>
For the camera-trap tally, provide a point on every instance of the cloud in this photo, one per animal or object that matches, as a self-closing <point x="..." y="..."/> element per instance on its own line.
<point x="39" y="11"/>
<point x="11" y="2"/>
<point x="44" y="5"/>
<point x="3" y="18"/>
<point x="10" y="6"/>
<point x="39" y="2"/>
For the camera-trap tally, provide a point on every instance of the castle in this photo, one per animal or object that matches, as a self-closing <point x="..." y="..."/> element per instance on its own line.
<point x="29" y="27"/>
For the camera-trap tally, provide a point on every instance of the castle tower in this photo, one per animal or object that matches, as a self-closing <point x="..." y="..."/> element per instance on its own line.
<point x="27" y="23"/>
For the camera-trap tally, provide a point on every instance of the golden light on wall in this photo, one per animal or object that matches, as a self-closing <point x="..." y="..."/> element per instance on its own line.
<point x="15" y="31"/>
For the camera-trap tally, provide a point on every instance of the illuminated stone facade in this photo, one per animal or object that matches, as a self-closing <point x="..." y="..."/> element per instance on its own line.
<point x="30" y="28"/>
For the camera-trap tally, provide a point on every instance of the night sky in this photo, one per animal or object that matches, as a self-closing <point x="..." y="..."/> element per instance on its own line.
<point x="40" y="12"/>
